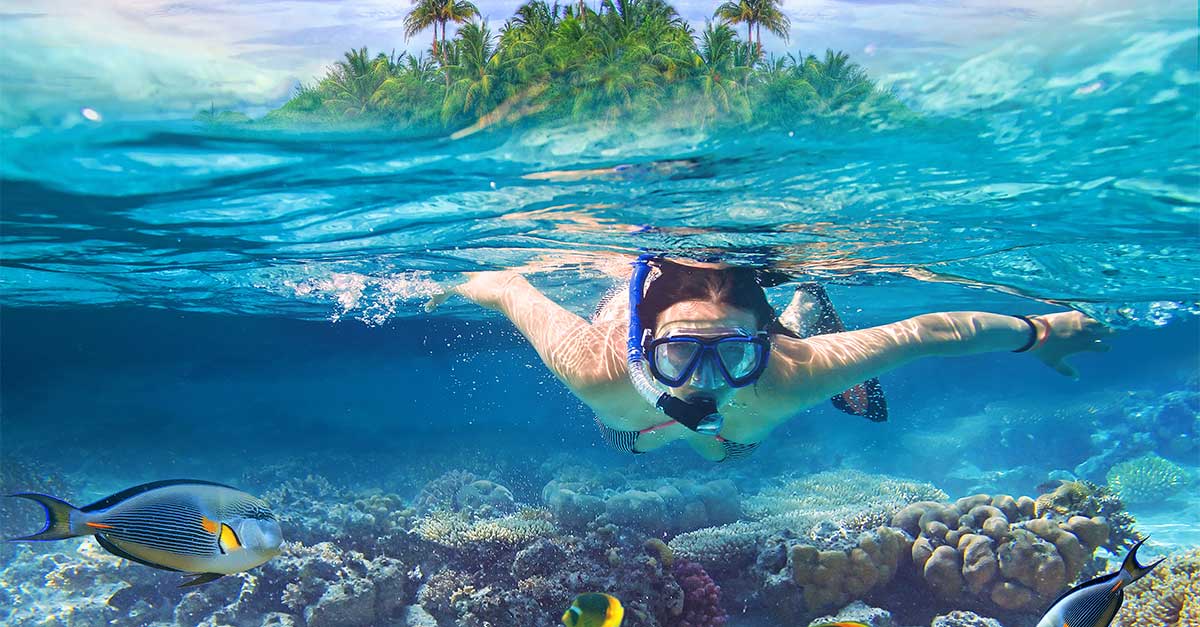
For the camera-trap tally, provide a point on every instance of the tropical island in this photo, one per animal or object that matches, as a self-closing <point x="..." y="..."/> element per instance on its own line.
<point x="629" y="60"/>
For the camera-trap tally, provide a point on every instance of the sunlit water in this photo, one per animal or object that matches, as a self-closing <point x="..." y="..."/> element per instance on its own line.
<point x="190" y="301"/>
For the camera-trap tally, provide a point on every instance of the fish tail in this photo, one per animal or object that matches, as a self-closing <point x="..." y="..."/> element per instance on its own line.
<point x="58" y="518"/>
<point x="1130" y="565"/>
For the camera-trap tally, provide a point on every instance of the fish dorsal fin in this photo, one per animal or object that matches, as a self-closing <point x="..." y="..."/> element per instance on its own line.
<point x="122" y="553"/>
<point x="123" y="495"/>
<point x="1089" y="582"/>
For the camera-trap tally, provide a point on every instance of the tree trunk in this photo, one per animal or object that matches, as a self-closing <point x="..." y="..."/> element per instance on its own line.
<point x="758" y="36"/>
<point x="750" y="31"/>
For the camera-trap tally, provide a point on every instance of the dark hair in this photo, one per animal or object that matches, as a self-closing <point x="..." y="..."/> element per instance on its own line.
<point x="736" y="287"/>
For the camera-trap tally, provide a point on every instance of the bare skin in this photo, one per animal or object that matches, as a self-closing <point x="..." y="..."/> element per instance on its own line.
<point x="590" y="359"/>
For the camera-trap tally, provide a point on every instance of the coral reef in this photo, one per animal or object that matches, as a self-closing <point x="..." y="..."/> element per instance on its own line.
<point x="1147" y="479"/>
<point x="316" y="586"/>
<point x="1169" y="596"/>
<point x="483" y="538"/>
<point x="485" y="498"/>
<point x="313" y="510"/>
<point x="1141" y="423"/>
<point x="828" y="510"/>
<point x="441" y="494"/>
<point x="1083" y="498"/>
<point x="548" y="574"/>
<point x="862" y="613"/>
<point x="964" y="619"/>
<point x="989" y="548"/>
<point x="670" y="507"/>
<point x="468" y="553"/>
<point x="834" y="577"/>
<point x="701" y="597"/>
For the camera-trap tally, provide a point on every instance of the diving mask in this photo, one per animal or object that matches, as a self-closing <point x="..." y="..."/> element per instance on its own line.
<point x="738" y="355"/>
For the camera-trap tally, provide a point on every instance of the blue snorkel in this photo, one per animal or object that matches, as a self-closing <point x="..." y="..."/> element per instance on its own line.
<point x="698" y="415"/>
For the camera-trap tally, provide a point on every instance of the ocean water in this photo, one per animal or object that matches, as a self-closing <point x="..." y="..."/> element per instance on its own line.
<point x="245" y="306"/>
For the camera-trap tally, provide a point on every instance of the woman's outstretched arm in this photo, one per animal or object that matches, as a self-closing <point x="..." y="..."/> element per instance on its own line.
<point x="807" y="371"/>
<point x="583" y="356"/>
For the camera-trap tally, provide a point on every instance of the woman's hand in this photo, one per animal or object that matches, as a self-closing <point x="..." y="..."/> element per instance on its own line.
<point x="485" y="289"/>
<point x="1064" y="334"/>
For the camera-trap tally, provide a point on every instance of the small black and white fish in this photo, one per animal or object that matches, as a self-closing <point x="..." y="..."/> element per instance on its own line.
<point x="1094" y="603"/>
<point x="190" y="526"/>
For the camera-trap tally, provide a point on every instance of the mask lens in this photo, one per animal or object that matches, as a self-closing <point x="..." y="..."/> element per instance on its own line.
<point x="740" y="358"/>
<point x="674" y="357"/>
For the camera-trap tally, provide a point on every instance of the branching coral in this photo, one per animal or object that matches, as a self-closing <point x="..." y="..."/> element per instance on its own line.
<point x="828" y="510"/>
<point x="842" y="494"/>
<point x="459" y="532"/>
<point x="1168" y="597"/>
<point x="1147" y="479"/>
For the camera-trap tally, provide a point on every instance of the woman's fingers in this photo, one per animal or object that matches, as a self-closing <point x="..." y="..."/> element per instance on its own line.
<point x="437" y="299"/>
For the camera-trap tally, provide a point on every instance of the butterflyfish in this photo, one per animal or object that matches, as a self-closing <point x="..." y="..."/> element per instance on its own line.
<point x="190" y="526"/>
<point x="594" y="609"/>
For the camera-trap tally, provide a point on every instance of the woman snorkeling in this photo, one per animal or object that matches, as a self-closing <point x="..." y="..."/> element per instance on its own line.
<point x="698" y="354"/>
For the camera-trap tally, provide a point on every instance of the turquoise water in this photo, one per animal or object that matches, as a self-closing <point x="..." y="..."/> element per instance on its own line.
<point x="244" y="306"/>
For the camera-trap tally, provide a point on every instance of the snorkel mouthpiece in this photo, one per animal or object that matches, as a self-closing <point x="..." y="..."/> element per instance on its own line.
<point x="699" y="415"/>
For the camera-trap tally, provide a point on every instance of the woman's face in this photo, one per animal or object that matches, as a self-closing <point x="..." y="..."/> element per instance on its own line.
<point x="697" y="317"/>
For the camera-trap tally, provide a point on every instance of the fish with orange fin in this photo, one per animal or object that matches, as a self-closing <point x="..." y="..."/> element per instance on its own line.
<point x="197" y="527"/>
<point x="1094" y="603"/>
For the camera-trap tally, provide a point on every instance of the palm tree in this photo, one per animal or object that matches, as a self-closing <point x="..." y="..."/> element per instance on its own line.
<point x="838" y="82"/>
<point x="738" y="12"/>
<point x="767" y="13"/>
<point x="353" y="82"/>
<point x="423" y="15"/>
<point x="457" y="11"/>
<point x="722" y="60"/>
<point x="476" y="72"/>
<point x="524" y="40"/>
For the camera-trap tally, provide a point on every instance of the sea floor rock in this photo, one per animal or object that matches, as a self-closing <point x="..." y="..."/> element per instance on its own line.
<point x="860" y="612"/>
<point x="964" y="619"/>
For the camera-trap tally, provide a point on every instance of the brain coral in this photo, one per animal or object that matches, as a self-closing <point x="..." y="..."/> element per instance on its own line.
<point x="990" y="549"/>
<point x="1146" y="479"/>
<point x="1168" y="597"/>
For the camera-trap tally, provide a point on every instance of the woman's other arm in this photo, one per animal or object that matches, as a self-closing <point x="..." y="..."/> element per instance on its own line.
<point x="807" y="371"/>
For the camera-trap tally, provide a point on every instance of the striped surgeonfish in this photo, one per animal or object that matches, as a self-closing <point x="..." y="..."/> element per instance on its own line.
<point x="183" y="525"/>
<point x="1094" y="603"/>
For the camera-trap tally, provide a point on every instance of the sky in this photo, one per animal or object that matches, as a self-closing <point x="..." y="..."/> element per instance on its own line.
<point x="181" y="56"/>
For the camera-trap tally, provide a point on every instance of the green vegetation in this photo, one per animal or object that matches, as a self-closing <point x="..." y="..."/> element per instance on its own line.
<point x="630" y="60"/>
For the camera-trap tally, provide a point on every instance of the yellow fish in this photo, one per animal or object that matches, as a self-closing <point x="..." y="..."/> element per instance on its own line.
<point x="594" y="609"/>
